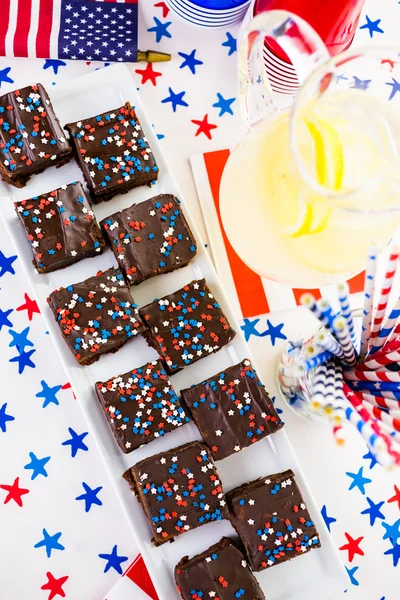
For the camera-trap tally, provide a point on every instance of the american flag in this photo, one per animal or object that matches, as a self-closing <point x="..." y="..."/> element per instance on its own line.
<point x="103" y="30"/>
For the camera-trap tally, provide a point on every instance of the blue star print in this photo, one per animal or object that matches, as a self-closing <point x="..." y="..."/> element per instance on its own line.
<point x="230" y="43"/>
<point x="37" y="465"/>
<point x="20" y="340"/>
<point x="175" y="99"/>
<point x="361" y="84"/>
<point x="392" y="532"/>
<point x="395" y="88"/>
<point x="90" y="496"/>
<point x="5" y="418"/>
<point x="49" y="394"/>
<point x="160" y="29"/>
<point x="350" y="573"/>
<point x="372" y="26"/>
<point x="359" y="480"/>
<point x="76" y="442"/>
<point x="113" y="560"/>
<point x="50" y="542"/>
<point x="373" y="511"/>
<point x="249" y="328"/>
<point x="6" y="264"/>
<point x="4" y="320"/>
<point x="341" y="77"/>
<point x="275" y="333"/>
<point x="54" y="64"/>
<point x="371" y="457"/>
<point x="190" y="61"/>
<point x="395" y="552"/>
<point x="328" y="520"/>
<point x="24" y="360"/>
<point x="224" y="105"/>
<point x="4" y="78"/>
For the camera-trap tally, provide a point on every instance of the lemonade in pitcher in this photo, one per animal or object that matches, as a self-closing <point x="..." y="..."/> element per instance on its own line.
<point x="308" y="189"/>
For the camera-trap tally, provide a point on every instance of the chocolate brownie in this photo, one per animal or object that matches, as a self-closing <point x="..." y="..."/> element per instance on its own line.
<point x="150" y="238"/>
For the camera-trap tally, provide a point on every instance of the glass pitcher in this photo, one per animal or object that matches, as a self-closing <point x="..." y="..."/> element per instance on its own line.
<point x="309" y="187"/>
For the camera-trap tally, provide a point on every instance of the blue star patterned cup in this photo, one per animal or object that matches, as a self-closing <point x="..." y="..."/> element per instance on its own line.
<point x="210" y="13"/>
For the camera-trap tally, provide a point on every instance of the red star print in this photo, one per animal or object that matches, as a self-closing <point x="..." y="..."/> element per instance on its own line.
<point x="54" y="586"/>
<point x="396" y="497"/>
<point x="389" y="62"/>
<point x="148" y="74"/>
<point x="353" y="546"/>
<point x="165" y="9"/>
<point x="30" y="305"/>
<point x="204" y="127"/>
<point x="14" y="492"/>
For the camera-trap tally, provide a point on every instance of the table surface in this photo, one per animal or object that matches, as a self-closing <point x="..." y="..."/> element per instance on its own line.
<point x="70" y="525"/>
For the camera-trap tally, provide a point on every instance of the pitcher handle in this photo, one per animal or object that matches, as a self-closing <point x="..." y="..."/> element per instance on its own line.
<point x="297" y="39"/>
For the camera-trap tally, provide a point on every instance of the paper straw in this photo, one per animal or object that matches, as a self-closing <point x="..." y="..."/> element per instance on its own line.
<point x="329" y="397"/>
<point x="308" y="301"/>
<point x="344" y="300"/>
<point x="318" y="389"/>
<point x="381" y="401"/>
<point x="369" y="286"/>
<point x="385" y="292"/>
<point x="306" y="365"/>
<point x="387" y="328"/>
<point x="375" y="376"/>
<point x="342" y="333"/>
<point x="338" y="434"/>
<point x="327" y="342"/>
<point x="376" y="386"/>
<point x="381" y="415"/>
<point x="326" y="310"/>
<point x="377" y="362"/>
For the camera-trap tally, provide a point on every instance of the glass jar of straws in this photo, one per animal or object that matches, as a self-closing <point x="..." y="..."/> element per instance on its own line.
<point x="343" y="377"/>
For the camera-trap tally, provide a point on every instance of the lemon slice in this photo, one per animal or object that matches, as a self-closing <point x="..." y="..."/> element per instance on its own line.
<point x="329" y="154"/>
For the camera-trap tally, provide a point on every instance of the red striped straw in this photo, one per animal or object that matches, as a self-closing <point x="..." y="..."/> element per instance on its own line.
<point x="393" y="261"/>
<point x="376" y="376"/>
<point x="383" y="416"/>
<point x="369" y="288"/>
<point x="380" y="401"/>
<point x="381" y="360"/>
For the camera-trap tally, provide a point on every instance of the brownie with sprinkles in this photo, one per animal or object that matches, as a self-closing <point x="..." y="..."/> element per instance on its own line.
<point x="61" y="227"/>
<point x="232" y="410"/>
<point x="113" y="152"/>
<point x="220" y="572"/>
<point x="150" y="238"/>
<point x="186" y="326"/>
<point x="272" y="520"/>
<point x="31" y="137"/>
<point x="179" y="490"/>
<point x="141" y="405"/>
<point x="96" y="316"/>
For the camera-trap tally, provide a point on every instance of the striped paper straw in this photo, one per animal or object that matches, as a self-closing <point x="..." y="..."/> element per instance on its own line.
<point x="380" y="401"/>
<point x="369" y="287"/>
<point x="377" y="362"/>
<point x="315" y="361"/>
<point x="327" y="342"/>
<point x="338" y="434"/>
<point x="385" y="292"/>
<point x="375" y="376"/>
<point x="344" y="299"/>
<point x="318" y="389"/>
<point x="326" y="311"/>
<point x="342" y="334"/>
<point x="387" y="328"/>
<point x="308" y="301"/>
<point x="329" y="393"/>
<point x="383" y="416"/>
<point x="376" y="387"/>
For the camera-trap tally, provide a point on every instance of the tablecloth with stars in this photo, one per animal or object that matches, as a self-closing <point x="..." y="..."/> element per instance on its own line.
<point x="62" y="531"/>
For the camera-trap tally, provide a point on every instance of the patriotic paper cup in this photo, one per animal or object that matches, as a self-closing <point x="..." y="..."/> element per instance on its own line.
<point x="210" y="13"/>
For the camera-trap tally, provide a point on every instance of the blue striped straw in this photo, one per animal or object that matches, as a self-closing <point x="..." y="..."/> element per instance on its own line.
<point x="313" y="362"/>
<point x="382" y="386"/>
<point x="387" y="328"/>
<point x="327" y="342"/>
<point x="326" y="311"/>
<point x="308" y="301"/>
<point x="369" y="287"/>
<point x="344" y="299"/>
<point x="329" y="397"/>
<point x="318" y="388"/>
<point x="342" y="333"/>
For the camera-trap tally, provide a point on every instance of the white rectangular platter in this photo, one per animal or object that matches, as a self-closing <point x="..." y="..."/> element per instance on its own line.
<point x="317" y="575"/>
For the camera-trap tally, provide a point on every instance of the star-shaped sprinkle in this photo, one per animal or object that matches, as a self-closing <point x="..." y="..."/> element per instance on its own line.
<point x="175" y="99"/>
<point x="224" y="105"/>
<point x="54" y="586"/>
<point x="395" y="85"/>
<point x="24" y="360"/>
<point x="14" y="492"/>
<point x="50" y="542"/>
<point x="37" y="465"/>
<point x="20" y="340"/>
<point x="190" y="61"/>
<point x="392" y="532"/>
<point x="350" y="573"/>
<point x="372" y="26"/>
<point x="5" y="418"/>
<point x="396" y="497"/>
<point x="353" y="546"/>
<point x="148" y="74"/>
<point x="230" y="43"/>
<point x="90" y="496"/>
<point x="49" y="394"/>
<point x="373" y="511"/>
<point x="204" y="127"/>
<point x="160" y="29"/>
<point x="395" y="552"/>
<point x="371" y="457"/>
<point x="360" y="84"/>
<point x="113" y="560"/>
<point x="4" y="320"/>
<point x="54" y="63"/>
<point x="359" y="481"/>
<point x="4" y="78"/>
<point x="249" y="328"/>
<point x="274" y="332"/>
<point x="76" y="442"/>
<point x="6" y="263"/>
<point x="328" y="520"/>
<point x="30" y="306"/>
